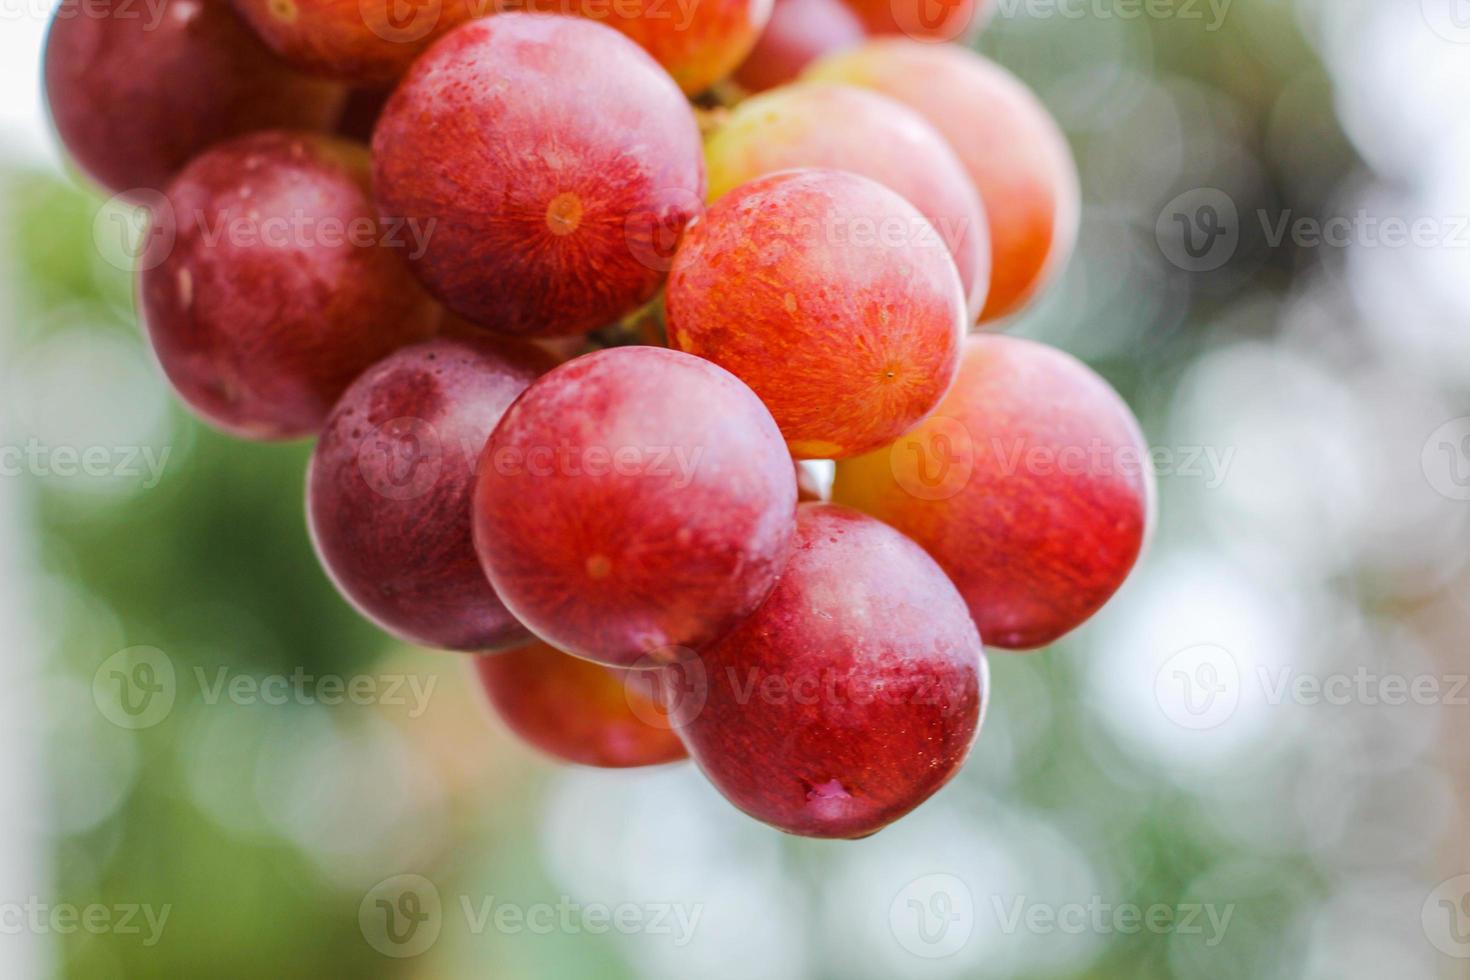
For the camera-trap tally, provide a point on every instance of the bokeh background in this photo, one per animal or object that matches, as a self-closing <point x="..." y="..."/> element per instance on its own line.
<point x="1253" y="764"/>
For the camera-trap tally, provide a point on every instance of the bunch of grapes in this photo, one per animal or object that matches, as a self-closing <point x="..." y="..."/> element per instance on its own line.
<point x="571" y="321"/>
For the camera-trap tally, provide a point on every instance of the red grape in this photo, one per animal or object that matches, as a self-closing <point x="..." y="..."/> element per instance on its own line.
<point x="1030" y="486"/>
<point x="828" y="294"/>
<point x="575" y="710"/>
<point x="136" y="91"/>
<point x="799" y="32"/>
<point x="851" y="696"/>
<point x="388" y="494"/>
<point x="633" y="501"/>
<point x="269" y="283"/>
<point x="549" y="180"/>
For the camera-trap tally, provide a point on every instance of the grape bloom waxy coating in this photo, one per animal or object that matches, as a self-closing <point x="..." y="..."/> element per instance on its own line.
<point x="269" y="284"/>
<point x="850" y="697"/>
<point x="633" y="505"/>
<point x="828" y="294"/>
<point x="388" y="492"/>
<point x="551" y="155"/>
<point x="1030" y="485"/>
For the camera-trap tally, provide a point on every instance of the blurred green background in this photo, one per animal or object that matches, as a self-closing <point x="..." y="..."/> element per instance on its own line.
<point x="1214" y="779"/>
